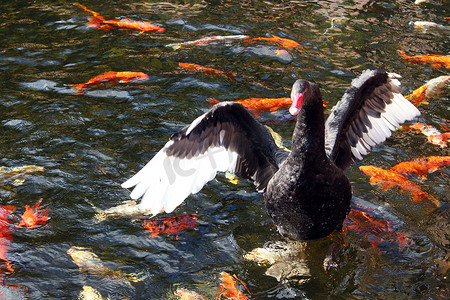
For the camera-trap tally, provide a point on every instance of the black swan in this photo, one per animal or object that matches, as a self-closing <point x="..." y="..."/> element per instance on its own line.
<point x="306" y="191"/>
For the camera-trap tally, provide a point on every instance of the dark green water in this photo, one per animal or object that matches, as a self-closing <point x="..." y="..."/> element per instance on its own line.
<point x="46" y="46"/>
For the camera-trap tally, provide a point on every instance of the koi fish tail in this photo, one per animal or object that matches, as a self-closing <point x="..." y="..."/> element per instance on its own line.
<point x="79" y="87"/>
<point x="212" y="101"/>
<point x="403" y="54"/>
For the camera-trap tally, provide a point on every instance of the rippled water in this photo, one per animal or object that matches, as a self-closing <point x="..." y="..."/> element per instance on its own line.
<point x="90" y="143"/>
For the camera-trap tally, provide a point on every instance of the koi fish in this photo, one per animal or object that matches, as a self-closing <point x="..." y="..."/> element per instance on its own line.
<point x="436" y="60"/>
<point x="207" y="40"/>
<point x="228" y="288"/>
<point x="425" y="26"/>
<point x="283" y="42"/>
<point x="388" y="179"/>
<point x="258" y="105"/>
<point x="421" y="166"/>
<point x="430" y="89"/>
<point x="89" y="262"/>
<point x="287" y="260"/>
<point x="18" y="174"/>
<point x="111" y="78"/>
<point x="33" y="216"/>
<point x="185" y="294"/>
<point x="375" y="229"/>
<point x="210" y="71"/>
<point x="97" y="21"/>
<point x="171" y="225"/>
<point x="433" y="135"/>
<point x="89" y="293"/>
<point x="5" y="235"/>
<point x="128" y="209"/>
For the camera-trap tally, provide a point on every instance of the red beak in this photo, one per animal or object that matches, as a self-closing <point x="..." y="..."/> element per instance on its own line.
<point x="297" y="102"/>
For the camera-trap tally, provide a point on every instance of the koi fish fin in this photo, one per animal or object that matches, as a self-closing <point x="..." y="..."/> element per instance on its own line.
<point x="436" y="65"/>
<point x="79" y="87"/>
<point x="94" y="13"/>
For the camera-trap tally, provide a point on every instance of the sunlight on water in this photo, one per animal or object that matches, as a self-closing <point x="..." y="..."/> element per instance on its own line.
<point x="89" y="143"/>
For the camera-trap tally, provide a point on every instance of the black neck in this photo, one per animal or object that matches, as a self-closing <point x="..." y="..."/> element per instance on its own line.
<point x="309" y="133"/>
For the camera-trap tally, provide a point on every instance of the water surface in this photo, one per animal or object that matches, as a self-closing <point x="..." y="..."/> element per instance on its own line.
<point x="90" y="143"/>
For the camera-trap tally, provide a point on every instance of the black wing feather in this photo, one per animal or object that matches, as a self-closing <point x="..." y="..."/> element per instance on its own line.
<point x="258" y="155"/>
<point x="364" y="117"/>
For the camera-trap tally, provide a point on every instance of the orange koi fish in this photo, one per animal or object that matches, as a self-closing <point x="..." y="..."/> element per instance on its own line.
<point x="446" y="127"/>
<point x="421" y="166"/>
<point x="228" y="288"/>
<point x="374" y="229"/>
<point x="258" y="105"/>
<point x="111" y="78"/>
<point x="98" y="21"/>
<point x="283" y="42"/>
<point x="171" y="225"/>
<point x="5" y="235"/>
<point x="436" y="60"/>
<point x="207" y="40"/>
<point x="34" y="216"/>
<point x="433" y="135"/>
<point x="428" y="90"/>
<point x="195" y="67"/>
<point x="389" y="179"/>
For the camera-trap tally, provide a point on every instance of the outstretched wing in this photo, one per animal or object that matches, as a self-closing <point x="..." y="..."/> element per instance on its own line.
<point x="226" y="138"/>
<point x="365" y="116"/>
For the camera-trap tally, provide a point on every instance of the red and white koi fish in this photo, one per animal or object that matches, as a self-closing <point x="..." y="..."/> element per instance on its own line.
<point x="258" y="105"/>
<point x="171" y="225"/>
<point x="34" y="216"/>
<point x="100" y="22"/>
<point x="433" y="135"/>
<point x="283" y="42"/>
<point x="207" y="40"/>
<point x="111" y="78"/>
<point x="430" y="89"/>
<point x="436" y="60"/>
<point x="5" y="235"/>
<point x="198" y="68"/>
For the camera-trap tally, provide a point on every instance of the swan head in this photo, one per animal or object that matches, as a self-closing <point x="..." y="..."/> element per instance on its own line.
<point x="299" y="89"/>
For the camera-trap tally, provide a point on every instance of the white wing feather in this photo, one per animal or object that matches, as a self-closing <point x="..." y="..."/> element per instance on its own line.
<point x="166" y="181"/>
<point x="395" y="113"/>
